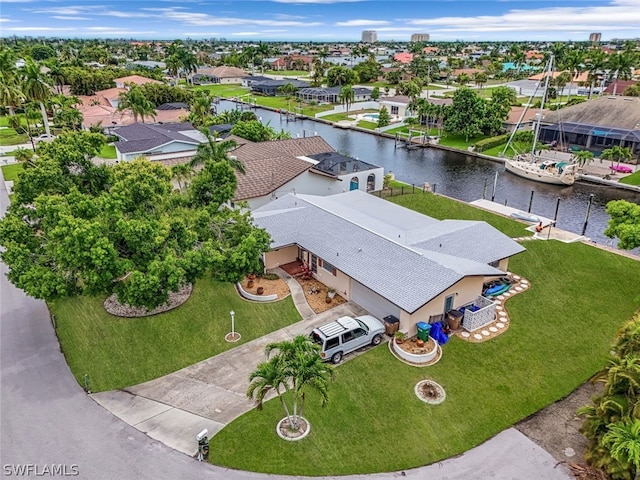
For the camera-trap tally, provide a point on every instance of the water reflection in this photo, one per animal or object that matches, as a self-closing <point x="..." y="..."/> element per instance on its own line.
<point x="463" y="176"/>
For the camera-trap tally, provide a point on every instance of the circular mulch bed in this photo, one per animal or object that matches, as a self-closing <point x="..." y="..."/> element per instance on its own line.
<point x="430" y="392"/>
<point x="114" y="307"/>
<point x="286" y="432"/>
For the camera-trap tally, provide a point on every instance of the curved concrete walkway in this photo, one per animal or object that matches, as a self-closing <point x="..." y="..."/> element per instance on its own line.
<point x="47" y="419"/>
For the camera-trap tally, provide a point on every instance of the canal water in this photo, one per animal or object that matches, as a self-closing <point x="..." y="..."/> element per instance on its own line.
<point x="463" y="176"/>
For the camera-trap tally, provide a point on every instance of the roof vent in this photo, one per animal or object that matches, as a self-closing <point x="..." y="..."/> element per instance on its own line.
<point x="233" y="157"/>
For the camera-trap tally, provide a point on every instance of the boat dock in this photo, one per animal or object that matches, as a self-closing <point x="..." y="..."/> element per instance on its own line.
<point x="548" y="230"/>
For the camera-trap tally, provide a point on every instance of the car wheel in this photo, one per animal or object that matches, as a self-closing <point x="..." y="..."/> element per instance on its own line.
<point x="337" y="357"/>
<point x="376" y="340"/>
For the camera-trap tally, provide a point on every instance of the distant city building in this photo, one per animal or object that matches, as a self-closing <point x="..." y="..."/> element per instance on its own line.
<point x="369" y="36"/>
<point x="419" y="37"/>
<point x="595" y="37"/>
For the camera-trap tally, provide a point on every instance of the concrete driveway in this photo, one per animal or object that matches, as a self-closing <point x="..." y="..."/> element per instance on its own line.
<point x="209" y="394"/>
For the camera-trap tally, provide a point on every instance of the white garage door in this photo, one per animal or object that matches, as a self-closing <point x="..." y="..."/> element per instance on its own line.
<point x="372" y="302"/>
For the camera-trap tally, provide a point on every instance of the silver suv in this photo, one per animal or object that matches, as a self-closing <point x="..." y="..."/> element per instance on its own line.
<point x="347" y="334"/>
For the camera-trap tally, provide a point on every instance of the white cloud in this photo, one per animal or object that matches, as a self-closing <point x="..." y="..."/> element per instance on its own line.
<point x="4" y="20"/>
<point x="317" y="1"/>
<point x="284" y="16"/>
<point x="206" y="20"/>
<point x="117" y="31"/>
<point x="39" y="29"/>
<point x="617" y="16"/>
<point x="361" y="23"/>
<point x="245" y="34"/>
<point x="67" y="17"/>
<point x="67" y="10"/>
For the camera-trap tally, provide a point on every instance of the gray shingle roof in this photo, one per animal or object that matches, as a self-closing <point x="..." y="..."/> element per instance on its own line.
<point x="367" y="238"/>
<point x="141" y="137"/>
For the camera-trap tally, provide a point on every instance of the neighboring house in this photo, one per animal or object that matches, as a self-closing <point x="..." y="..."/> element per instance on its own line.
<point x="222" y="75"/>
<point x="292" y="62"/>
<point x="403" y="57"/>
<point x="332" y="94"/>
<point x="150" y="64"/>
<point x="157" y="142"/>
<point x="133" y="80"/>
<point x="397" y="105"/>
<point x="527" y="88"/>
<point x="299" y="165"/>
<point x="580" y="77"/>
<point x="617" y="87"/>
<point x="271" y="88"/>
<point x="596" y="125"/>
<point x="522" y="118"/>
<point x="386" y="258"/>
<point x="110" y="117"/>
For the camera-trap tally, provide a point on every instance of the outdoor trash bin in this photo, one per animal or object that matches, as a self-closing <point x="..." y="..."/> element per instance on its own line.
<point x="423" y="330"/>
<point x="391" y="325"/>
<point x="454" y="317"/>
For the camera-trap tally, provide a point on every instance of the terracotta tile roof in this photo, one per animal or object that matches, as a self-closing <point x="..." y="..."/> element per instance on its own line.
<point x="269" y="165"/>
<point x="580" y="78"/>
<point x="529" y="116"/>
<point x="403" y="57"/>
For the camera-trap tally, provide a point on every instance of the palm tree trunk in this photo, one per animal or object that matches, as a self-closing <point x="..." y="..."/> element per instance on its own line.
<point x="45" y="119"/>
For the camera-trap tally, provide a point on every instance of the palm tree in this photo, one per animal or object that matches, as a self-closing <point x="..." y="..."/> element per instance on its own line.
<point x="135" y="101"/>
<point x="36" y="88"/>
<point x="214" y="151"/>
<point x="617" y="154"/>
<point x="181" y="172"/>
<point x="296" y="367"/>
<point x="620" y="66"/>
<point x="583" y="157"/>
<point x="573" y="63"/>
<point x="347" y="96"/>
<point x="623" y="440"/>
<point x="629" y="338"/>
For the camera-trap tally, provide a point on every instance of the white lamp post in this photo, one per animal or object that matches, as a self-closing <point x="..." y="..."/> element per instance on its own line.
<point x="233" y="323"/>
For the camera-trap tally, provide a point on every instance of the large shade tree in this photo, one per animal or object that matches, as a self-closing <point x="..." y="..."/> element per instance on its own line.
<point x="74" y="227"/>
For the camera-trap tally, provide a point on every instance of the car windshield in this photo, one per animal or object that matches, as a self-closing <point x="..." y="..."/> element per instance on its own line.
<point x="362" y="324"/>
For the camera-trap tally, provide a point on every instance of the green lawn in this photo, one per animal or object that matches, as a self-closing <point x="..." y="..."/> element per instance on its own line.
<point x="108" y="151"/>
<point x="367" y="125"/>
<point x="119" y="352"/>
<point x="560" y="335"/>
<point x="441" y="207"/>
<point x="633" y="179"/>
<point x="10" y="172"/>
<point x="226" y="90"/>
<point x="459" y="142"/>
<point x="8" y="136"/>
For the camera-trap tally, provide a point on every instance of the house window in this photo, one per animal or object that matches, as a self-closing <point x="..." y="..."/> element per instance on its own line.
<point x="394" y="110"/>
<point x="328" y="267"/>
<point x="371" y="182"/>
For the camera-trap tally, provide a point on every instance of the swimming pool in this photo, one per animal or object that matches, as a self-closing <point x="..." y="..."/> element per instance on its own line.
<point x="372" y="116"/>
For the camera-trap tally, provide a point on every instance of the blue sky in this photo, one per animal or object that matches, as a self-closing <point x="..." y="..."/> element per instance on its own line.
<point x="322" y="20"/>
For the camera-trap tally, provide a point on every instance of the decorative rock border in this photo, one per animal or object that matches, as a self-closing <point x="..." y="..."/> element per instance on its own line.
<point x="114" y="307"/>
<point x="232" y="337"/>
<point x="501" y="322"/>
<point x="279" y="428"/>
<point x="255" y="298"/>
<point x="442" y="395"/>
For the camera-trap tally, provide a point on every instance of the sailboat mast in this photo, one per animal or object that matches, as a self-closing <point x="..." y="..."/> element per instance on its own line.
<point x="549" y="69"/>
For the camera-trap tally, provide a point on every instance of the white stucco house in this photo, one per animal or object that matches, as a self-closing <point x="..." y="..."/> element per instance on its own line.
<point x="299" y="165"/>
<point x="388" y="259"/>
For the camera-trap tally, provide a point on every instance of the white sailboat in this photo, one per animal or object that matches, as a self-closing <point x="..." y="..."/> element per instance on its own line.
<point x="540" y="166"/>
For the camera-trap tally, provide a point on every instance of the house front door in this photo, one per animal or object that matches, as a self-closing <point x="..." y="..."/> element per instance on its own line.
<point x="448" y="303"/>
